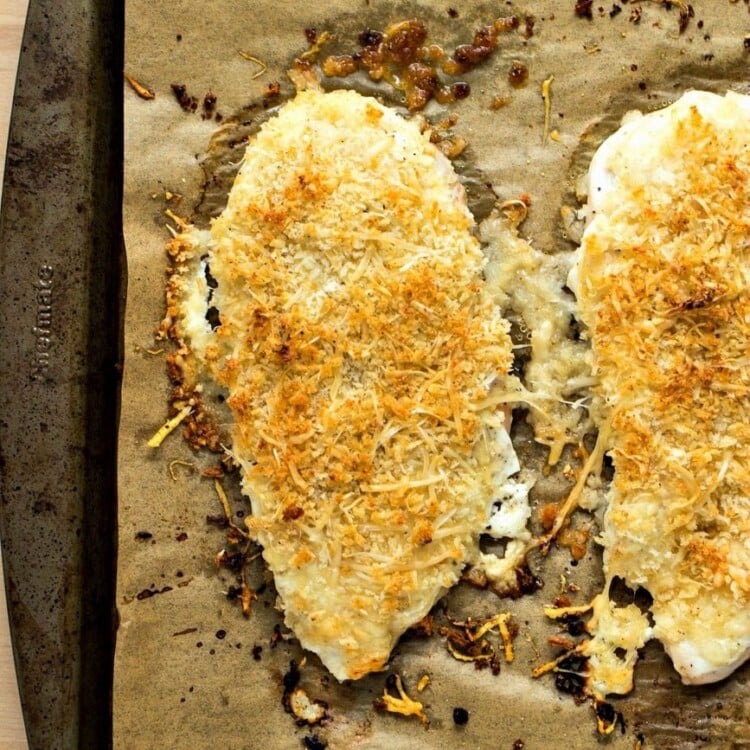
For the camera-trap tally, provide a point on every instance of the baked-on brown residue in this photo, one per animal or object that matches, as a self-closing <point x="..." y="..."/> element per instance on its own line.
<point x="402" y="56"/>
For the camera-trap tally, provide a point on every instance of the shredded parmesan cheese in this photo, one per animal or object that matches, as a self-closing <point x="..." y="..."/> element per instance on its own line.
<point x="170" y="426"/>
<point x="402" y="703"/>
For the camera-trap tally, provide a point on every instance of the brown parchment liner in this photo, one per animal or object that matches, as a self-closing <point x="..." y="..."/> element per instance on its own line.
<point x="185" y="674"/>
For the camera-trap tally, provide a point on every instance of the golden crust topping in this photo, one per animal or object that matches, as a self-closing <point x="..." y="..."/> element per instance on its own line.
<point x="663" y="285"/>
<point x="356" y="337"/>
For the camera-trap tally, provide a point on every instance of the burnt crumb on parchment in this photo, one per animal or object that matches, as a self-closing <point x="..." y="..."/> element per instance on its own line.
<point x="234" y="561"/>
<point x="271" y="94"/>
<point x="460" y="716"/>
<point x="526" y="581"/>
<point x="295" y="700"/>
<point x="152" y="591"/>
<point x="187" y="102"/>
<point x="313" y="742"/>
<point x="583" y="9"/>
<point x="465" y="640"/>
<point x="570" y="676"/>
<point x="209" y="105"/>
<point x="686" y="13"/>
<point x="278" y="636"/>
<point x="518" y="75"/>
<point x="608" y="718"/>
<point x="186" y="631"/>
<point x="190" y="103"/>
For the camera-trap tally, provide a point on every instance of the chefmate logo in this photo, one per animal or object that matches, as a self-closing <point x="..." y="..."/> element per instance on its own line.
<point x="42" y="329"/>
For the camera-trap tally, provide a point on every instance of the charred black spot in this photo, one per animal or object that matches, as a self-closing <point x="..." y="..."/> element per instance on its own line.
<point x="234" y="592"/>
<point x="234" y="561"/>
<point x="210" y="280"/>
<point x="313" y="742"/>
<point x="370" y="38"/>
<point x="527" y="582"/>
<point x="460" y="716"/>
<point x="575" y="625"/>
<point x="583" y="9"/>
<point x="574" y="328"/>
<point x="291" y="678"/>
<point x="573" y="663"/>
<point x="213" y="317"/>
<point x="606" y="712"/>
<point x="572" y="684"/>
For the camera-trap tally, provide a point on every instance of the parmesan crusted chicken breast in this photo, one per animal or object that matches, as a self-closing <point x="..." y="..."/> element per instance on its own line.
<point x="662" y="283"/>
<point x="358" y="343"/>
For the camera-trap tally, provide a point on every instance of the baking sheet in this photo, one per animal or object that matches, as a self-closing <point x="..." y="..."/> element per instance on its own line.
<point x="190" y="671"/>
<point x="61" y="295"/>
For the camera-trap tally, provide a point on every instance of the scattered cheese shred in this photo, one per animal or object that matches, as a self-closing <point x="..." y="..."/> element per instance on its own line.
<point x="223" y="499"/>
<point x="592" y="465"/>
<point x="501" y="623"/>
<point x="165" y="430"/>
<point x="262" y="67"/>
<point x="402" y="703"/>
<point x="547" y="97"/>
<point x="178" y="462"/>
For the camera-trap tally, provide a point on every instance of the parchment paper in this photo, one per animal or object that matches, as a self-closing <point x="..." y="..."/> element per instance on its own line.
<point x="186" y="672"/>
